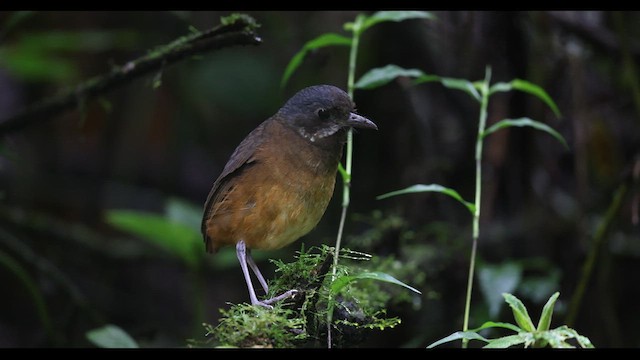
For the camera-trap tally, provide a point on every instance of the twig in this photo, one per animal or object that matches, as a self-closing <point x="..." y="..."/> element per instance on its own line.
<point x="234" y="30"/>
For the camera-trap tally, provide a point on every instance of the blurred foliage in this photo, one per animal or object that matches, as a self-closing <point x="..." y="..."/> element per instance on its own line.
<point x="177" y="230"/>
<point x="48" y="56"/>
<point x="111" y="336"/>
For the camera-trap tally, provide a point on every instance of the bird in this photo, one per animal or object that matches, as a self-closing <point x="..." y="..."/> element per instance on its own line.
<point x="278" y="182"/>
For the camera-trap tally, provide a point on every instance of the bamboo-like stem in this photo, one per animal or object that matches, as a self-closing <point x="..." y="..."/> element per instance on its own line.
<point x="346" y="175"/>
<point x="476" y="214"/>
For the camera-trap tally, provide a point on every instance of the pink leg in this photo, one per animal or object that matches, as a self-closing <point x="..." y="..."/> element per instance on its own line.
<point x="246" y="261"/>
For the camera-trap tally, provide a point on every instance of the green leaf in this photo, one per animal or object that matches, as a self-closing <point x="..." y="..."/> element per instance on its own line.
<point x="459" y="335"/>
<point x="492" y="324"/>
<point x="521" y="122"/>
<point x="346" y="177"/>
<point x="519" y="313"/>
<point x="111" y="336"/>
<point x="430" y="188"/>
<point x="462" y="84"/>
<point x="323" y="40"/>
<point x="343" y="281"/>
<point x="500" y="87"/>
<point x="497" y="279"/>
<point x="537" y="91"/>
<point x="508" y="341"/>
<point x="451" y="83"/>
<point x="380" y="76"/>
<point x="547" y="313"/>
<point x="178" y="239"/>
<point x="397" y="16"/>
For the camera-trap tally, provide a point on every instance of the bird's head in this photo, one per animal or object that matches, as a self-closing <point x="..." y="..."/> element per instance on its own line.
<point x="322" y="111"/>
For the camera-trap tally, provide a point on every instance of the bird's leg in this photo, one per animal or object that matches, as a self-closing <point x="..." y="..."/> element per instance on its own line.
<point x="241" y="252"/>
<point x="254" y="267"/>
<point x="245" y="258"/>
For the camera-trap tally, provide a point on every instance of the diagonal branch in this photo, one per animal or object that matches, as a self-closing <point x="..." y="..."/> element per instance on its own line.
<point x="234" y="30"/>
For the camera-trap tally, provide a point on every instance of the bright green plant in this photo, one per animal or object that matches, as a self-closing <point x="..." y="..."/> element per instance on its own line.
<point x="527" y="334"/>
<point x="356" y="28"/>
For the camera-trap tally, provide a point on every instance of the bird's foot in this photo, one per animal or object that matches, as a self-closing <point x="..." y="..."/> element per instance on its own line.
<point x="267" y="303"/>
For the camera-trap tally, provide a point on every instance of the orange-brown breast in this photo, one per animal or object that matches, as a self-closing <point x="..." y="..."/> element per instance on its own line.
<point x="279" y="196"/>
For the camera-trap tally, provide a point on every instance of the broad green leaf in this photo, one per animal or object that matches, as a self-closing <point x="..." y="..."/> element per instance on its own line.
<point x="547" y="313"/>
<point x="397" y="16"/>
<point x="343" y="281"/>
<point x="521" y="122"/>
<point x="430" y="188"/>
<point x="507" y="341"/>
<point x="459" y="335"/>
<point x="380" y="76"/>
<point x="323" y="40"/>
<point x="519" y="313"/>
<point x="497" y="279"/>
<point x="178" y="239"/>
<point x="537" y="91"/>
<point x="111" y="336"/>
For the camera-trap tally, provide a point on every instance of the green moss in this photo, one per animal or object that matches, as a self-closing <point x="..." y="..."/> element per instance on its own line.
<point x="301" y="321"/>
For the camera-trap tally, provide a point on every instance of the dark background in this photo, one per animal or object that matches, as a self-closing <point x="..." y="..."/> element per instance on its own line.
<point x="138" y="146"/>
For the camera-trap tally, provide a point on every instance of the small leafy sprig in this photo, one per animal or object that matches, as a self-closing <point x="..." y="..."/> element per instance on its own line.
<point x="527" y="334"/>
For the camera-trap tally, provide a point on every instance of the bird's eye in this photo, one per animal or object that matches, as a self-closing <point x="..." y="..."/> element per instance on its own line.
<point x="323" y="114"/>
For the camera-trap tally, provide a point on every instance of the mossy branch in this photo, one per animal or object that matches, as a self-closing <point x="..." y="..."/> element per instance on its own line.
<point x="237" y="29"/>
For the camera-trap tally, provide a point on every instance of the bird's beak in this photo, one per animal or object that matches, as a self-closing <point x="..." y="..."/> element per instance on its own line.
<point x="359" y="121"/>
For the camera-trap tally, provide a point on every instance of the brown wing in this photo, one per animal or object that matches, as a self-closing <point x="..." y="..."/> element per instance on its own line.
<point x="241" y="158"/>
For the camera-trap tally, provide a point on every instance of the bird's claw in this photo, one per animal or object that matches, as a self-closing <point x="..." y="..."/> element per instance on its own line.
<point x="267" y="303"/>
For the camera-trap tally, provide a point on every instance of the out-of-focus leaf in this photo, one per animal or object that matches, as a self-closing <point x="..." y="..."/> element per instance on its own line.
<point x="459" y="335"/>
<point x="397" y="16"/>
<point x="343" y="281"/>
<point x="178" y="239"/>
<point x="525" y="122"/>
<point x="547" y="312"/>
<point x="430" y="188"/>
<point x="38" y="56"/>
<point x="184" y="212"/>
<point x="498" y="279"/>
<point x="520" y="313"/>
<point x="451" y="83"/>
<point x="528" y="87"/>
<point x="111" y="336"/>
<point x="323" y="40"/>
<point x="380" y="76"/>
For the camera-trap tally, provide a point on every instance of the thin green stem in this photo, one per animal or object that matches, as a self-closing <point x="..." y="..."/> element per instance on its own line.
<point x="476" y="215"/>
<point x="346" y="179"/>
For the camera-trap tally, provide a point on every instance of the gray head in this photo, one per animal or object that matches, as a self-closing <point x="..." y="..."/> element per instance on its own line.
<point x="322" y="111"/>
